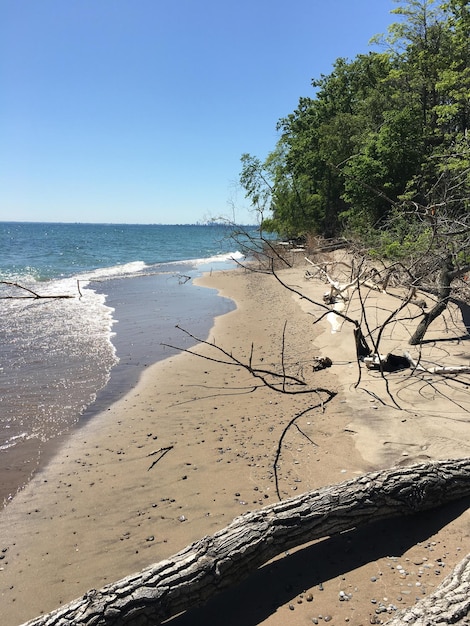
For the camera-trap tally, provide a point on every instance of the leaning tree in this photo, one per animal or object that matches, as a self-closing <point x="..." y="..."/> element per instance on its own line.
<point x="436" y="240"/>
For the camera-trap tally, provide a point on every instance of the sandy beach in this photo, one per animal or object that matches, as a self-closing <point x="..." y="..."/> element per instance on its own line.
<point x="193" y="445"/>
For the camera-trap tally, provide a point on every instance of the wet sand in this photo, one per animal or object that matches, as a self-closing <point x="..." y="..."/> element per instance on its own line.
<point x="100" y="511"/>
<point x="146" y="308"/>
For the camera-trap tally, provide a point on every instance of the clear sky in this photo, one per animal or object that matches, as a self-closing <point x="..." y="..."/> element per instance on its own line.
<point x="137" y="111"/>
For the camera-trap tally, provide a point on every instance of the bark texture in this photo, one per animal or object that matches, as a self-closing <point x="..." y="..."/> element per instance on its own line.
<point x="198" y="572"/>
<point x="449" y="604"/>
<point x="444" y="293"/>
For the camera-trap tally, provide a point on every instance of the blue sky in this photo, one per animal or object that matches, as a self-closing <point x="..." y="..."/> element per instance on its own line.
<point x="137" y="111"/>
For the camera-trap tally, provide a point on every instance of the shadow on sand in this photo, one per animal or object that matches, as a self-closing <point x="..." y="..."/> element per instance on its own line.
<point x="256" y="598"/>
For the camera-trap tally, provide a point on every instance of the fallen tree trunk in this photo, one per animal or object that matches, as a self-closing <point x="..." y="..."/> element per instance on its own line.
<point x="198" y="572"/>
<point x="449" y="604"/>
<point x="438" y="369"/>
<point x="444" y="293"/>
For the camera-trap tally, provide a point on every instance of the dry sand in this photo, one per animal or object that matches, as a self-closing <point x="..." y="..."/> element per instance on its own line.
<point x="97" y="512"/>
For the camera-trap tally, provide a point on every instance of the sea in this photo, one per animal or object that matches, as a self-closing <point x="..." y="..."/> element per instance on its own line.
<point x="84" y="309"/>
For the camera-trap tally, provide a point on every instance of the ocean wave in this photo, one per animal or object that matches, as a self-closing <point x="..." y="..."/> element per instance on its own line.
<point x="139" y="268"/>
<point x="125" y="270"/>
<point x="29" y="276"/>
<point x="221" y="258"/>
<point x="216" y="258"/>
<point x="70" y="285"/>
<point x="15" y="440"/>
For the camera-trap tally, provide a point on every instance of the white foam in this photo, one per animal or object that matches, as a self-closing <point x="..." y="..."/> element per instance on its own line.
<point x="126" y="269"/>
<point x="220" y="258"/>
<point x="12" y="441"/>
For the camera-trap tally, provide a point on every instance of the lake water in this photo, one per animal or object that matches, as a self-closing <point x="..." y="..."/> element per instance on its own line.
<point x="127" y="286"/>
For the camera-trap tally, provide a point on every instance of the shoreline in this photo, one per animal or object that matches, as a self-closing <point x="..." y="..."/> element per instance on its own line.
<point x="136" y="341"/>
<point x="99" y="511"/>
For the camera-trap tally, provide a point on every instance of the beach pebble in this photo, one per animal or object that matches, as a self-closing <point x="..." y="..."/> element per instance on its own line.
<point x="309" y="597"/>
<point x="182" y="518"/>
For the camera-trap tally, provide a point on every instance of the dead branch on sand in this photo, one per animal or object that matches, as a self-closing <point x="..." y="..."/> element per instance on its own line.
<point x="194" y="575"/>
<point x="279" y="382"/>
<point x="32" y="294"/>
<point x="437" y="369"/>
<point x="162" y="453"/>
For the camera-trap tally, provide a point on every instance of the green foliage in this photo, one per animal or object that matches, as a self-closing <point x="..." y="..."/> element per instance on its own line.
<point x="380" y="129"/>
<point x="412" y="244"/>
<point x="375" y="177"/>
<point x="255" y="180"/>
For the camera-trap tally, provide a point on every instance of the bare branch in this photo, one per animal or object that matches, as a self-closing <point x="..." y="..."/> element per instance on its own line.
<point x="260" y="373"/>
<point x="32" y="293"/>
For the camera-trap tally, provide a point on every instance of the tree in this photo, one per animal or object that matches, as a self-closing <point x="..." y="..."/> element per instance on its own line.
<point x="419" y="42"/>
<point x="381" y="147"/>
<point x="453" y="86"/>
<point x="323" y="133"/>
<point x="378" y="175"/>
<point x="254" y="178"/>
<point x="372" y="131"/>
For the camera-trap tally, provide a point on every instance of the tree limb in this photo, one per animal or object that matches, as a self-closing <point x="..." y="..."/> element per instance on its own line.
<point x="285" y="380"/>
<point x="437" y="369"/>
<point x="449" y="604"/>
<point x="198" y="572"/>
<point x="32" y="293"/>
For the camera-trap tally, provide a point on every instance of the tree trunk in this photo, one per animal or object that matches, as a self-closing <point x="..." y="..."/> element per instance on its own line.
<point x="444" y="293"/>
<point x="198" y="572"/>
<point x="449" y="604"/>
<point x="437" y="369"/>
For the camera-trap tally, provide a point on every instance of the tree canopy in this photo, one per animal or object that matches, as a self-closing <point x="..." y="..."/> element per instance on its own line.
<point x="380" y="132"/>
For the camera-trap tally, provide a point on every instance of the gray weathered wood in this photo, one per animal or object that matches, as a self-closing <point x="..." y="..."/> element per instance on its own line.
<point x="449" y="604"/>
<point x="198" y="572"/>
<point x="438" y="369"/>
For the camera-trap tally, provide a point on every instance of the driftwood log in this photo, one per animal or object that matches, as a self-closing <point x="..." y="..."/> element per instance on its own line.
<point x="438" y="369"/>
<point x="449" y="604"/>
<point x="213" y="563"/>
